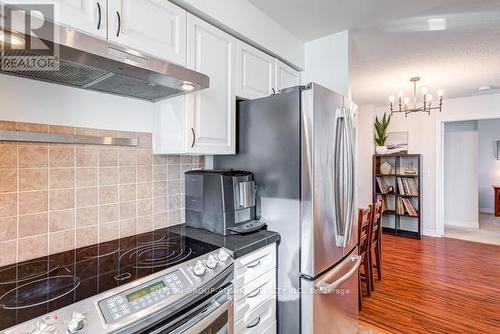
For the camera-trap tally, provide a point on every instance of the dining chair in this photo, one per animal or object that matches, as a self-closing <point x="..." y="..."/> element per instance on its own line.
<point x="376" y="241"/>
<point x="364" y="242"/>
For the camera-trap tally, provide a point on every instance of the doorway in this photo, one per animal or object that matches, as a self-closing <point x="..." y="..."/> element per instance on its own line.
<point x="470" y="171"/>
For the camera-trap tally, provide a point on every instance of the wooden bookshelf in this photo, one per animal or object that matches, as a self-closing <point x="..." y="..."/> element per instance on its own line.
<point x="403" y="206"/>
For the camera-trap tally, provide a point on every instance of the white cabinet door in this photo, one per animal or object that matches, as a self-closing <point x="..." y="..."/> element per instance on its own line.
<point x="286" y="76"/>
<point x="157" y="27"/>
<point x="88" y="16"/>
<point x="254" y="72"/>
<point x="211" y="112"/>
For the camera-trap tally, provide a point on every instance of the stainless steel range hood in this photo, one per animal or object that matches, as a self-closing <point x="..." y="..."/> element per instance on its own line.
<point x="85" y="61"/>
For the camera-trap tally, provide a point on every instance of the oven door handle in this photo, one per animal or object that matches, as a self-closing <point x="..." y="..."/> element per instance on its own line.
<point x="204" y="319"/>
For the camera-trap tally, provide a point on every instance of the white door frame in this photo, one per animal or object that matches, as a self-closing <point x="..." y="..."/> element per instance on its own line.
<point x="440" y="161"/>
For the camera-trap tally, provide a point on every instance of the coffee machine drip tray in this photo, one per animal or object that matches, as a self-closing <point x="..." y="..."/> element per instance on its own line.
<point x="248" y="227"/>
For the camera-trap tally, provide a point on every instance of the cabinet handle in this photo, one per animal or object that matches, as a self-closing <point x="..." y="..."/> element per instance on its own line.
<point x="254" y="293"/>
<point x="253" y="265"/>
<point x="194" y="137"/>
<point x="255" y="324"/>
<point x="99" y="15"/>
<point x="119" y="24"/>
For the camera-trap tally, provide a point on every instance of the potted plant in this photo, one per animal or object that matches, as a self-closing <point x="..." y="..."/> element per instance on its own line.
<point x="381" y="127"/>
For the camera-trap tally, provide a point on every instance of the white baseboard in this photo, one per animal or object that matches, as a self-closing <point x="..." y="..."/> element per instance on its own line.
<point x="431" y="233"/>
<point x="487" y="210"/>
<point x="461" y="224"/>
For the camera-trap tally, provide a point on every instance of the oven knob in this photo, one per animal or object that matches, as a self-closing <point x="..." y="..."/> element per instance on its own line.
<point x="212" y="262"/>
<point x="199" y="269"/>
<point x="223" y="255"/>
<point x="76" y="323"/>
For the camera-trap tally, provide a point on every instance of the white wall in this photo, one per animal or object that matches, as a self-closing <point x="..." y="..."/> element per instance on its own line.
<point x="25" y="100"/>
<point x="364" y="155"/>
<point x="489" y="166"/>
<point x="327" y="62"/>
<point x="245" y="21"/>
<point x="460" y="174"/>
<point x="424" y="131"/>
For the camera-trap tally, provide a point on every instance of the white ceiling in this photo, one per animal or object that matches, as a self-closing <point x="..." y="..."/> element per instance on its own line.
<point x="392" y="41"/>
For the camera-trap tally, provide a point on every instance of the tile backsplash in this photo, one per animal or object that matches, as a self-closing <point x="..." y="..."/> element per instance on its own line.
<point x="56" y="197"/>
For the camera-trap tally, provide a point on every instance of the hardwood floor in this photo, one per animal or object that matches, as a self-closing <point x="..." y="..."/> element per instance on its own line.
<point x="436" y="285"/>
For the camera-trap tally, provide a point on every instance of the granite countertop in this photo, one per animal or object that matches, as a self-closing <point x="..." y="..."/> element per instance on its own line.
<point x="240" y="245"/>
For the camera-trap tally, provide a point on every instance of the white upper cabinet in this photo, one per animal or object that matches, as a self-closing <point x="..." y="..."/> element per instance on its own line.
<point x="89" y="16"/>
<point x="211" y="112"/>
<point x="254" y="72"/>
<point x="286" y="76"/>
<point x="157" y="27"/>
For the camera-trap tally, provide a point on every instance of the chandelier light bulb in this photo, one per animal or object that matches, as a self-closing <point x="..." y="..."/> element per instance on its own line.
<point x="407" y="100"/>
<point x="424" y="90"/>
<point x="401" y="93"/>
<point x="440" y="92"/>
<point x="429" y="98"/>
<point x="392" y="98"/>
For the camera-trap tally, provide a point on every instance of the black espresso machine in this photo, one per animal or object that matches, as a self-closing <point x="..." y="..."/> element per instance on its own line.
<point x="221" y="201"/>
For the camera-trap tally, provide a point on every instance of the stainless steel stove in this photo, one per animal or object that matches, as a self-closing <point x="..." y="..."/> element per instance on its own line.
<point x="158" y="282"/>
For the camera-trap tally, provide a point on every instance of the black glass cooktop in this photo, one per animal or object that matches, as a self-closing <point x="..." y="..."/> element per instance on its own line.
<point x="36" y="287"/>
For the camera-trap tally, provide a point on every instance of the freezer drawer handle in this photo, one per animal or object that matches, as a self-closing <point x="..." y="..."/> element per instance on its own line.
<point x="254" y="293"/>
<point x="255" y="324"/>
<point x="254" y="265"/>
<point x="325" y="288"/>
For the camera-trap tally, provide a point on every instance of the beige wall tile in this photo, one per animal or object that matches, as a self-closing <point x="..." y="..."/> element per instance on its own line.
<point x="127" y="192"/>
<point x="8" y="125"/>
<point x="186" y="159"/>
<point x="144" y="207"/>
<point x="8" y="180"/>
<point x="108" y="194"/>
<point x="127" y="157"/>
<point x="174" y="172"/>
<point x="8" y="229"/>
<point x="87" y="156"/>
<point x="86" y="132"/>
<point x="8" y="156"/>
<point x="61" y="156"/>
<point x="86" y="177"/>
<point x="174" y="187"/>
<point x="61" y="220"/>
<point x="108" y="133"/>
<point x="8" y="250"/>
<point x="32" y="127"/>
<point x="8" y="204"/>
<point x="33" y="224"/>
<point x="144" y="157"/>
<point x="33" y="156"/>
<point x="128" y="227"/>
<point x="108" y="231"/>
<point x="108" y="176"/>
<point x="173" y="159"/>
<point x="128" y="175"/>
<point x="87" y="216"/>
<point x="145" y="224"/>
<point x="144" y="173"/>
<point x="174" y="202"/>
<point x="86" y="236"/>
<point x="108" y="157"/>
<point x="174" y="217"/>
<point x="159" y="159"/>
<point x="160" y="220"/>
<point x="61" y="241"/>
<point x="62" y="130"/>
<point x="33" y="247"/>
<point x="160" y="188"/>
<point x="86" y="197"/>
<point x="160" y="172"/>
<point x="108" y="213"/>
<point x="145" y="140"/>
<point x="33" y="201"/>
<point x="160" y="204"/>
<point x="62" y="199"/>
<point x="128" y="210"/>
<point x="33" y="179"/>
<point x="62" y="178"/>
<point x="144" y="190"/>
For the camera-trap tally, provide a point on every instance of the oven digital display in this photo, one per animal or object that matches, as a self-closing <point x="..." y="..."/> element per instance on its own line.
<point x="131" y="297"/>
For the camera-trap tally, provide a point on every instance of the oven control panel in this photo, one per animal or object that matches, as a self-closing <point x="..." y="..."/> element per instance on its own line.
<point x="134" y="300"/>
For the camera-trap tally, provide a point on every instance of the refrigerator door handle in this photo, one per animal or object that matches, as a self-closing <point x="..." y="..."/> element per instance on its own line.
<point x="349" y="148"/>
<point x="327" y="288"/>
<point x="337" y="150"/>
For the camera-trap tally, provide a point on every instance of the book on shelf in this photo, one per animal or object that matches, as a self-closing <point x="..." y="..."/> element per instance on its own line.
<point x="407" y="186"/>
<point x="382" y="185"/>
<point x="384" y="202"/>
<point x="404" y="206"/>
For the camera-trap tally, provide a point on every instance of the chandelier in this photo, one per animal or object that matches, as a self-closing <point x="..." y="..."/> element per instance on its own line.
<point x="409" y="105"/>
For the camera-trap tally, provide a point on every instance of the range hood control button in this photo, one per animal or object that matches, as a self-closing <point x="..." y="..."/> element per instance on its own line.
<point x="199" y="269"/>
<point x="223" y="255"/>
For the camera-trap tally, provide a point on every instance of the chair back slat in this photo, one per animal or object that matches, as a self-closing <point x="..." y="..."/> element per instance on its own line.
<point x="364" y="229"/>
<point x="377" y="221"/>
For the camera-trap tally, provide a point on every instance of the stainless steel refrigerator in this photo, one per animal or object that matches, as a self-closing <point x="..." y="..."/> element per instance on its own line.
<point x="300" y="145"/>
